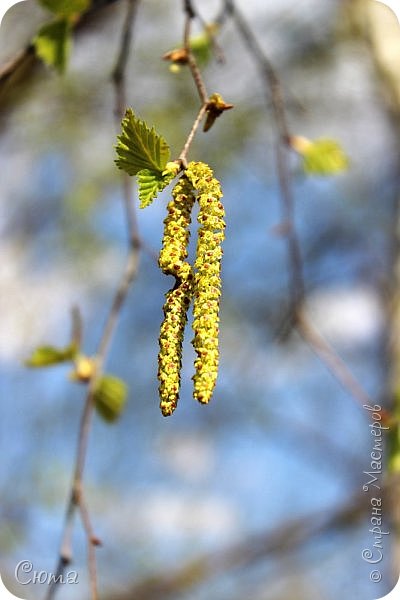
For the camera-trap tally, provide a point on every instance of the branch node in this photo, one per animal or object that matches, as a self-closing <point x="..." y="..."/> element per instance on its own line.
<point x="66" y="558"/>
<point x="189" y="10"/>
<point x="95" y="541"/>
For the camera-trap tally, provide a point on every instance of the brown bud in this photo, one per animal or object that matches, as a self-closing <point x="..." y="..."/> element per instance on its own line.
<point x="178" y="56"/>
<point x="215" y="107"/>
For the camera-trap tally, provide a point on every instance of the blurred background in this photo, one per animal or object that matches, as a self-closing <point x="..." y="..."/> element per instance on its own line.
<point x="259" y="494"/>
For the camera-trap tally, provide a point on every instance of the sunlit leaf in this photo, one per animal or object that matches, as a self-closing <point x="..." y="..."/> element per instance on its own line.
<point x="394" y="462"/>
<point x="66" y="8"/>
<point x="45" y="356"/>
<point x="53" y="44"/>
<point x="140" y="147"/>
<point x="324" y="157"/>
<point x="151" y="183"/>
<point x="110" y="397"/>
<point x="201" y="46"/>
<point x="393" y="438"/>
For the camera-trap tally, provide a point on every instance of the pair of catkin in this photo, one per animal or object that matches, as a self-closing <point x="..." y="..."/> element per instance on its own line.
<point x="201" y="282"/>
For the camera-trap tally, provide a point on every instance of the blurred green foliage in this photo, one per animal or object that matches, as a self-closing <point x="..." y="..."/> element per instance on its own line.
<point x="110" y="397"/>
<point x="53" y="44"/>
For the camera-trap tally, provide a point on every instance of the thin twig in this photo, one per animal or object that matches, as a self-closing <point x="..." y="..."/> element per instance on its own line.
<point x="271" y="543"/>
<point x="275" y="96"/>
<point x="197" y="78"/>
<point x="185" y="150"/>
<point x="225" y="12"/>
<point x="15" y="62"/>
<point x="296" y="279"/>
<point x="218" y="51"/>
<point x="267" y="70"/>
<point x="118" y="73"/>
<point x="93" y="541"/>
<point x="334" y="363"/>
<point x="77" y="496"/>
<point x="77" y="327"/>
<point x="65" y="553"/>
<point x="298" y="316"/>
<point x="131" y="269"/>
<point x="118" y="78"/>
<point x="76" y="499"/>
<point x="194" y="69"/>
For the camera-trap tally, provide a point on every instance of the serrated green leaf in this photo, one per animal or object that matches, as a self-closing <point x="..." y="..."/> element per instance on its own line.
<point x="53" y="44"/>
<point x="66" y="8"/>
<point x="151" y="184"/>
<point x="324" y="157"/>
<point x="110" y="397"/>
<point x="45" y="356"/>
<point x="139" y="147"/>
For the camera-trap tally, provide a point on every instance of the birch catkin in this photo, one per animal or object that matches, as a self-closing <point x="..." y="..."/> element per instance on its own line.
<point x="207" y="281"/>
<point x="203" y="283"/>
<point x="172" y="262"/>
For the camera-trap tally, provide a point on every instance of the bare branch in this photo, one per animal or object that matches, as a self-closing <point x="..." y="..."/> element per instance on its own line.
<point x="22" y="56"/>
<point x="118" y="73"/>
<point x="195" y="126"/>
<point x="297" y="286"/>
<point x="274" y="95"/>
<point x="76" y="499"/>
<point x="194" y="69"/>
<point x="286" y="537"/>
<point x="13" y="64"/>
<point x="77" y="326"/>
<point x="197" y="78"/>
<point x="333" y="362"/>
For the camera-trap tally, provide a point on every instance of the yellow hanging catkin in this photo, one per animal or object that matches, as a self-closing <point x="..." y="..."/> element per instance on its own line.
<point x="207" y="279"/>
<point x="172" y="262"/>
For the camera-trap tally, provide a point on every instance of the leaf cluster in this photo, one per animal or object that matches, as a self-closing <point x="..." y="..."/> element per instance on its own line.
<point x="110" y="392"/>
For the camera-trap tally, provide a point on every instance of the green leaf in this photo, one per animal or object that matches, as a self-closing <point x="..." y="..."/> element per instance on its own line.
<point x="53" y="44"/>
<point x="66" y="8"/>
<point x="45" y="356"/>
<point x="151" y="184"/>
<point x="110" y="397"/>
<point x="139" y="147"/>
<point x="324" y="157"/>
<point x="394" y="462"/>
<point x="201" y="46"/>
<point x="393" y="437"/>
